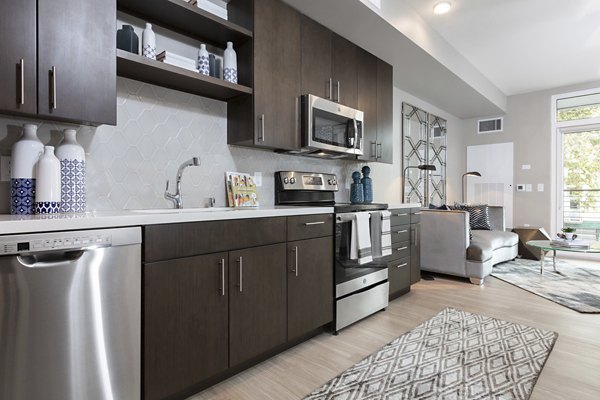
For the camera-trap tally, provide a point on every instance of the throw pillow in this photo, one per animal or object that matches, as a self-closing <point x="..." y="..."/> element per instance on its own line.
<point x="442" y="207"/>
<point x="479" y="216"/>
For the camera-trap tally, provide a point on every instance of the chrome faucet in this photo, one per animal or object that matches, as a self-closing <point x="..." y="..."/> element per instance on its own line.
<point x="177" y="198"/>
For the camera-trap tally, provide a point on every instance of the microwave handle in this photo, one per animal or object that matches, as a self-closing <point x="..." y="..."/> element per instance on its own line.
<point x="355" y="132"/>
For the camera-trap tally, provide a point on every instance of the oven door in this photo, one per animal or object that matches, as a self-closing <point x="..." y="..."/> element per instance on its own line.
<point x="331" y="126"/>
<point x="349" y="275"/>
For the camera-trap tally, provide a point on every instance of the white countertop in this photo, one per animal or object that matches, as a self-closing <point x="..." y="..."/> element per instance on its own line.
<point x="10" y="224"/>
<point x="404" y="205"/>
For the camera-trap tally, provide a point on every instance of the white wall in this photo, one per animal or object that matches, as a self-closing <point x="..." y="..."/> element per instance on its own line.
<point x="527" y="124"/>
<point x="158" y="128"/>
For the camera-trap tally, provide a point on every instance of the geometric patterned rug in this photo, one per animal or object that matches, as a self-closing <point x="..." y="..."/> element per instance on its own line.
<point x="454" y="355"/>
<point x="571" y="286"/>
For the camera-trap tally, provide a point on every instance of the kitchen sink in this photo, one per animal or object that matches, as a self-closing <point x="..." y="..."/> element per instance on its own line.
<point x="182" y="210"/>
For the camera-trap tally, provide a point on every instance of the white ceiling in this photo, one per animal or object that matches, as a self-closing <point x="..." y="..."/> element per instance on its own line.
<point x="522" y="45"/>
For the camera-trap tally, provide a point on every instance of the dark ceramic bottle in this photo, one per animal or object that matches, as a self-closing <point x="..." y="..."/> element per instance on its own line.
<point x="367" y="183"/>
<point x="356" y="189"/>
<point x="127" y="40"/>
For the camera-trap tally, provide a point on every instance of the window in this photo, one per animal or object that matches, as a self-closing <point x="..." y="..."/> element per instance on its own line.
<point x="578" y="172"/>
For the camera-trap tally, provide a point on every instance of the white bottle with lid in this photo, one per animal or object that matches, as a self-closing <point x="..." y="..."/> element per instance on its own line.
<point x="48" y="185"/>
<point x="230" y="64"/>
<point x="149" y="42"/>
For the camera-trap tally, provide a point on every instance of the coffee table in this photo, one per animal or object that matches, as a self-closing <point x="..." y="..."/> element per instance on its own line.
<point x="546" y="245"/>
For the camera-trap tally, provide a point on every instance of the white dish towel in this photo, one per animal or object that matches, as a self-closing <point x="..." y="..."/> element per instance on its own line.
<point x="360" y="236"/>
<point x="386" y="235"/>
<point x="376" y="231"/>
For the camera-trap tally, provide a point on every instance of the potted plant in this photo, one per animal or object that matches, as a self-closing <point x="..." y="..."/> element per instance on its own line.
<point x="568" y="232"/>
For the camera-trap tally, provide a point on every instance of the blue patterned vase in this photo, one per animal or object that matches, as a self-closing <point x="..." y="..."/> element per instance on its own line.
<point x="22" y="194"/>
<point x="230" y="64"/>
<point x="367" y="183"/>
<point x="24" y="156"/>
<point x="356" y="189"/>
<point x="203" y="64"/>
<point x="72" y="173"/>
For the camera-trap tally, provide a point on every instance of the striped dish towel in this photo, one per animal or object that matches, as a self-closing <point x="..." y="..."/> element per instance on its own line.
<point x="386" y="236"/>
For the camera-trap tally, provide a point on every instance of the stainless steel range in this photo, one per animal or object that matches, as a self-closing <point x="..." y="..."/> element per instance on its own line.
<point x="360" y="289"/>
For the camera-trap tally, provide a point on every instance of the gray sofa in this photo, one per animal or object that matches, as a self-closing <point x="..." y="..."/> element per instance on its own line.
<point x="447" y="249"/>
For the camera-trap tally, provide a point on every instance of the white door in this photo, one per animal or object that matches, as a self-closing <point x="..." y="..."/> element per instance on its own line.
<point x="495" y="186"/>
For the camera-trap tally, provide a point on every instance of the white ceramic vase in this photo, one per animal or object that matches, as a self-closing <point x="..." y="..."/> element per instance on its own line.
<point x="149" y="42"/>
<point x="72" y="171"/>
<point x="24" y="156"/>
<point x="48" y="185"/>
<point x="203" y="65"/>
<point x="230" y="64"/>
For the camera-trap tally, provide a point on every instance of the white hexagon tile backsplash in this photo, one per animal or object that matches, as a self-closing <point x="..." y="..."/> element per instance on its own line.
<point x="157" y="129"/>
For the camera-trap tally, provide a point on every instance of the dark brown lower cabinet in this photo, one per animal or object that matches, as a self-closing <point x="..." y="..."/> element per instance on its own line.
<point x="399" y="276"/>
<point x="185" y="323"/>
<point x="257" y="301"/>
<point x="310" y="285"/>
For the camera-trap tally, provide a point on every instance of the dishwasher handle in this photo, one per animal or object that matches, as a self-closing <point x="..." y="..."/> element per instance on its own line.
<point x="50" y="259"/>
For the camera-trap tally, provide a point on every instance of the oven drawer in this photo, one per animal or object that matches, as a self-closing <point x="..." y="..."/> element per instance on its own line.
<point x="400" y="233"/>
<point x="309" y="226"/>
<point x="360" y="305"/>
<point x="400" y="216"/>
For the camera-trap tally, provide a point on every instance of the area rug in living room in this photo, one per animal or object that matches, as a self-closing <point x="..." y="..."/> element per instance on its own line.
<point x="454" y="355"/>
<point x="576" y="287"/>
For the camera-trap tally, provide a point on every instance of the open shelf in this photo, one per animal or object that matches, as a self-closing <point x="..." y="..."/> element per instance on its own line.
<point x="143" y="69"/>
<point x="187" y="19"/>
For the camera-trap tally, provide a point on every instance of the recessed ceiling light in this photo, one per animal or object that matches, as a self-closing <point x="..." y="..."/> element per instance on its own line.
<point x="442" y="7"/>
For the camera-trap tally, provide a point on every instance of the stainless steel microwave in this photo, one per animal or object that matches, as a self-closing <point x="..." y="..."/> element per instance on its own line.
<point x="330" y="129"/>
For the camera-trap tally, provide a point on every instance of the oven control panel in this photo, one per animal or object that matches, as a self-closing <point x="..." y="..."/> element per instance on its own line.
<point x="294" y="180"/>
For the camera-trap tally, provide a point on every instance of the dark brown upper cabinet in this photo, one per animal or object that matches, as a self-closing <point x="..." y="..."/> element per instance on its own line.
<point x="75" y="77"/>
<point x="18" y="60"/>
<point x="329" y="67"/>
<point x="375" y="98"/>
<point x="269" y="119"/>
<point x="385" y="112"/>
<point x="367" y="102"/>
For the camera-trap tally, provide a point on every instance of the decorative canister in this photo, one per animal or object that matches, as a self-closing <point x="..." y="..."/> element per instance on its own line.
<point x="356" y="189"/>
<point x="24" y="156"/>
<point x="48" y="193"/>
<point x="203" y="66"/>
<point x="230" y="64"/>
<point x="367" y="183"/>
<point x="212" y="65"/>
<point x="72" y="171"/>
<point x="127" y="40"/>
<point x="149" y="42"/>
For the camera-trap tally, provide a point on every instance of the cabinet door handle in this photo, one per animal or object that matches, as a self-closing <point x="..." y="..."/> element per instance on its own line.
<point x="338" y="92"/>
<point x="314" y="223"/>
<point x="401" y="265"/>
<point x="295" y="270"/>
<point x="241" y="264"/>
<point x="401" y="215"/>
<point x="261" y="136"/>
<point x="379" y="152"/>
<point x="404" y="231"/>
<point x="374" y="149"/>
<point x="222" y="262"/>
<point x="22" y="66"/>
<point x="401" y="248"/>
<point x="53" y="88"/>
<point x="330" y="85"/>
<point x="417" y="213"/>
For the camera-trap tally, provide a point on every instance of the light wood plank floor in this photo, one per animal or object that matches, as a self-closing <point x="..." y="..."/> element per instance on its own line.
<point x="572" y="371"/>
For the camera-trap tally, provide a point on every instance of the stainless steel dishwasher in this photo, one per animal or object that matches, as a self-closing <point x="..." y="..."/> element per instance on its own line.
<point x="70" y="315"/>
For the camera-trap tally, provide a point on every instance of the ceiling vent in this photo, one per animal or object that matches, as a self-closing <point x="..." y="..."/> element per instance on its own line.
<point x="490" y="125"/>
